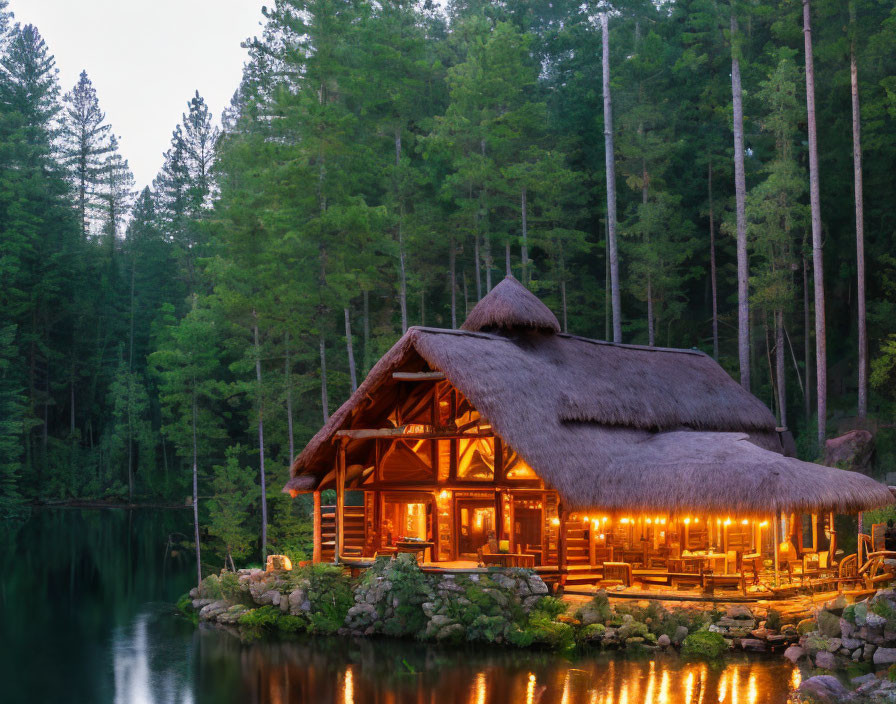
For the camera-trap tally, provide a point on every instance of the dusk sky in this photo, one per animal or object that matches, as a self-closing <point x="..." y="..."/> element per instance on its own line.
<point x="145" y="60"/>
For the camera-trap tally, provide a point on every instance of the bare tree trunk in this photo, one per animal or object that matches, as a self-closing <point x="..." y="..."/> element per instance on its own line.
<point x="821" y="373"/>
<point x="196" y="489"/>
<point x="452" y="280"/>
<point x="563" y="290"/>
<point x="524" y="245"/>
<point x="323" y="377"/>
<point x="422" y="309"/>
<point x="610" y="162"/>
<point x="350" y="350"/>
<point x="651" y="340"/>
<point x="264" y="498"/>
<point x="779" y="364"/>
<point x="507" y="270"/>
<point x="366" y="296"/>
<point x="478" y="272"/>
<point x="287" y="373"/>
<point x="712" y="269"/>
<point x="606" y="283"/>
<point x="402" y="284"/>
<point x="466" y="297"/>
<point x="860" y="218"/>
<point x="740" y="193"/>
<point x="807" y="341"/>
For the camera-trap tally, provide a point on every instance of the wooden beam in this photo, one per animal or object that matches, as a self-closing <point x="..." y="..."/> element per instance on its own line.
<point x="418" y="376"/>
<point x="400" y="434"/>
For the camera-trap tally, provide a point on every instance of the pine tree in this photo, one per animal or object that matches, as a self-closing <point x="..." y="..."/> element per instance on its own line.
<point x="85" y="147"/>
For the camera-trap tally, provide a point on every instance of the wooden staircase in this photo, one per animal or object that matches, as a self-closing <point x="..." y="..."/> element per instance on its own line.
<point x="577" y="547"/>
<point x="352" y="523"/>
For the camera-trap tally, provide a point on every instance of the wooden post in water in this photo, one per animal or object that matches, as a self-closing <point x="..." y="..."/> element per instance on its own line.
<point x="315" y="530"/>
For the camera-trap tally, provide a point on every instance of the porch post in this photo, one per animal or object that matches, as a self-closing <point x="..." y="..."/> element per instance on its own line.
<point x="561" y="543"/>
<point x="315" y="530"/>
<point x="861" y="529"/>
<point x="775" y="518"/>
<point x="340" y="500"/>
<point x="592" y="545"/>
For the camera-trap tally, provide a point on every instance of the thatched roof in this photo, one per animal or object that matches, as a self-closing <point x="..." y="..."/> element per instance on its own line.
<point x="510" y="305"/>
<point x="615" y="427"/>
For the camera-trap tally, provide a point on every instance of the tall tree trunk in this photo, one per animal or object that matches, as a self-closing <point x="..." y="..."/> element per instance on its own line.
<point x="349" y="348"/>
<point x="131" y="386"/>
<point x="196" y="489"/>
<point x="507" y="269"/>
<point x="422" y="309"/>
<point x="779" y="364"/>
<point x="403" y="282"/>
<point x="821" y="372"/>
<point x="651" y="336"/>
<point x="524" y="244"/>
<point x="325" y="406"/>
<point x="610" y="163"/>
<point x="712" y="270"/>
<point x="264" y="498"/>
<point x="740" y="194"/>
<point x="860" y="217"/>
<point x="478" y="267"/>
<point x="563" y="290"/>
<point x="287" y="373"/>
<point x="606" y="283"/>
<point x="807" y="341"/>
<point x="466" y="297"/>
<point x="452" y="280"/>
<point x="366" y="297"/>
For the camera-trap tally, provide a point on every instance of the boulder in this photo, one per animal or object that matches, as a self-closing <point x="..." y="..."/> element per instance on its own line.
<point x="825" y="689"/>
<point x="210" y="611"/>
<point x="860" y="611"/>
<point x="738" y="611"/>
<point x="852" y="450"/>
<point x="828" y="624"/>
<point x="868" y="652"/>
<point x="873" y="620"/>
<point x="826" y="660"/>
<point x="851" y="643"/>
<point x="794" y="653"/>
<point x="680" y="634"/>
<point x="863" y="679"/>
<point x="807" y="625"/>
<point x="846" y="628"/>
<point x="753" y="644"/>
<point x="884" y="656"/>
<point x="664" y="641"/>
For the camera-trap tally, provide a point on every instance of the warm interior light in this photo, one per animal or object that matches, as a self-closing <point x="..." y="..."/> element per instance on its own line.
<point x="649" y="522"/>
<point x="443" y="495"/>
<point x="763" y="524"/>
<point x="744" y="522"/>
<point x="604" y="519"/>
<point x="624" y="520"/>
<point x="602" y="536"/>
<point x="555" y="521"/>
<point x="696" y="520"/>
<point x="727" y="521"/>
<point x="663" y="521"/>
<point x="584" y="519"/>
<point x="687" y="521"/>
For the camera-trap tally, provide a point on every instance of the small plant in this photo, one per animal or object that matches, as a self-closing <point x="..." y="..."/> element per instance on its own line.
<point x="551" y="606"/>
<point x="773" y="620"/>
<point x="704" y="645"/>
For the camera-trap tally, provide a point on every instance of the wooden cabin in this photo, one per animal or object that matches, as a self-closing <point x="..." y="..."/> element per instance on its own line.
<point x="507" y="442"/>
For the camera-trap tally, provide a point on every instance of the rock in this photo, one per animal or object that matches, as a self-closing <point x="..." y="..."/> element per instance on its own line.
<point x="860" y="611"/>
<point x="270" y="597"/>
<point x="857" y="655"/>
<point x="863" y="679"/>
<point x="680" y="634"/>
<point x="197" y="604"/>
<point x="837" y="604"/>
<point x="852" y="450"/>
<point x="851" y="643"/>
<point x="537" y="585"/>
<point x="794" y="653"/>
<point x="664" y="641"/>
<point x="834" y="644"/>
<point x="807" y="625"/>
<point x="826" y="660"/>
<point x="828" y="624"/>
<point x="232" y="615"/>
<point x="753" y="644"/>
<point x="868" y="652"/>
<point x="453" y="632"/>
<point x="815" y="643"/>
<point x="760" y="633"/>
<point x="846" y="628"/>
<point x="296" y="600"/>
<point x="825" y="689"/>
<point x="884" y="656"/>
<point x="194" y="593"/>
<point x="210" y="611"/>
<point x="873" y="620"/>
<point x="738" y="611"/>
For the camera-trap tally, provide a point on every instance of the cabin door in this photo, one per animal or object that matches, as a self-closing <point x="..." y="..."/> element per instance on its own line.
<point x="475" y="523"/>
<point x="528" y="523"/>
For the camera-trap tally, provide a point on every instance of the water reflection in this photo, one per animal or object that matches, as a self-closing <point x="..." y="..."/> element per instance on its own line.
<point x="386" y="672"/>
<point x="86" y="600"/>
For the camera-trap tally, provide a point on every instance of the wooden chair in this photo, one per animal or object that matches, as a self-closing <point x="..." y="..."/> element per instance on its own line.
<point x="618" y="572"/>
<point x="711" y="581"/>
<point x="878" y="537"/>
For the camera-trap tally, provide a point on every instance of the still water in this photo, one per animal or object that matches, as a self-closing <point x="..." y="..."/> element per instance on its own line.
<point x="86" y="615"/>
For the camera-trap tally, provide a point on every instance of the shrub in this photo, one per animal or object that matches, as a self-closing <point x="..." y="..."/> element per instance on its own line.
<point x="558" y="636"/>
<point x="591" y="634"/>
<point x="229" y="583"/>
<point x="704" y="645"/>
<point x="598" y="610"/>
<point x="773" y="620"/>
<point x="210" y="587"/>
<point x="551" y="606"/>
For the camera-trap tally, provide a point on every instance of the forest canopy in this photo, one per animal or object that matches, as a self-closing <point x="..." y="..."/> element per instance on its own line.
<point x="383" y="165"/>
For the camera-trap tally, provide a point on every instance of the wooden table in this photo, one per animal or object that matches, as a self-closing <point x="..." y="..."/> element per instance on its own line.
<point x="415" y="546"/>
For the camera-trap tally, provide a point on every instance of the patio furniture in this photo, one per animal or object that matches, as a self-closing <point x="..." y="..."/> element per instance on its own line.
<point x="618" y="572"/>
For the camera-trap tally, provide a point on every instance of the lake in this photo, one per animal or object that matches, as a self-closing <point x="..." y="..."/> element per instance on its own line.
<point x="86" y="615"/>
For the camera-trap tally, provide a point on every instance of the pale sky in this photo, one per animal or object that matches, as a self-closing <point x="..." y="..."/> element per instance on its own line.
<point x="145" y="58"/>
